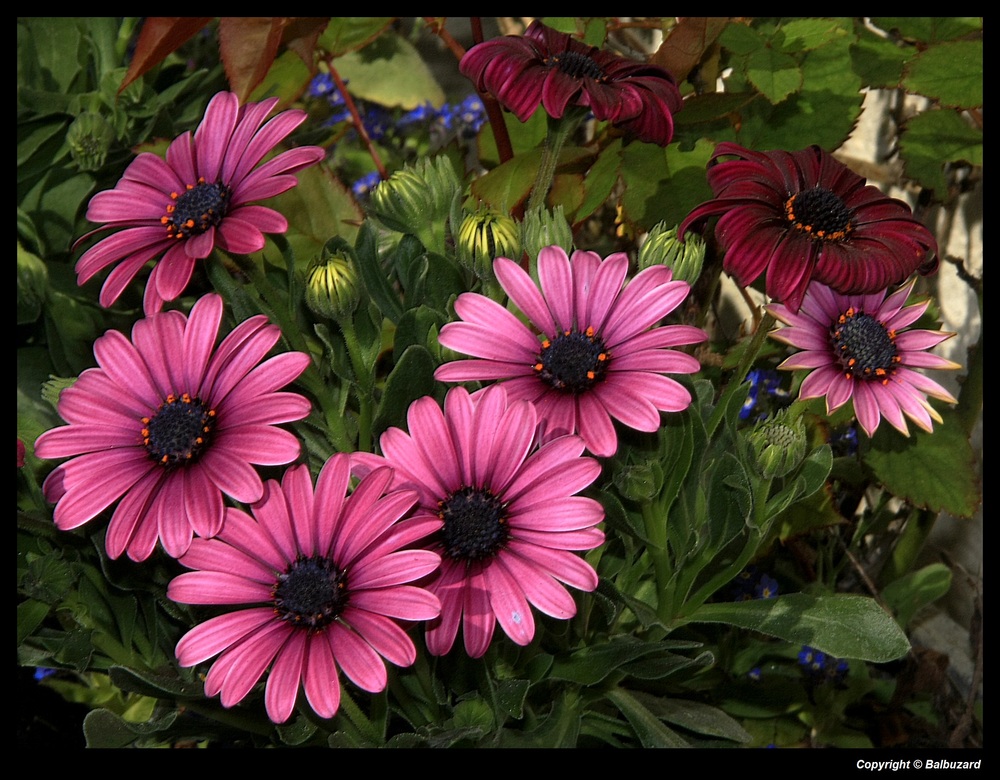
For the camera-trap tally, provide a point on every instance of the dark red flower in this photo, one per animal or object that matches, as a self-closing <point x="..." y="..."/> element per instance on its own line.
<point x="804" y="215"/>
<point x="552" y="69"/>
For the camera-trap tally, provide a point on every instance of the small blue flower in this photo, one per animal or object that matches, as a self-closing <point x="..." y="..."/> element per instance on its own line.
<point x="322" y="84"/>
<point x="362" y="187"/>
<point x="766" y="588"/>
<point x="41" y="672"/>
<point x="755" y="674"/>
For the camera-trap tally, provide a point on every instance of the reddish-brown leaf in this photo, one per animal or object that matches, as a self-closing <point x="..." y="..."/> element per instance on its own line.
<point x="301" y="34"/>
<point x="160" y="35"/>
<point x="687" y="43"/>
<point x="247" y="47"/>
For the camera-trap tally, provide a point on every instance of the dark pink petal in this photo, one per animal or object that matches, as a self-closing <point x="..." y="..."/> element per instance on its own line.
<point x="384" y="635"/>
<point x="355" y="656"/>
<point x="509" y="604"/>
<point x="322" y="683"/>
<point x="216" y="634"/>
<point x="216" y="587"/>
<point x="282" y="688"/>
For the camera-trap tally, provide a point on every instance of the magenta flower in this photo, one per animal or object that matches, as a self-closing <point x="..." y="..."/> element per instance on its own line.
<point x="552" y="69"/>
<point x="601" y="354"/>
<point x="199" y="198"/>
<point x="325" y="579"/>
<point x="857" y="348"/>
<point x="799" y="216"/>
<point x="168" y="423"/>
<point x="507" y="511"/>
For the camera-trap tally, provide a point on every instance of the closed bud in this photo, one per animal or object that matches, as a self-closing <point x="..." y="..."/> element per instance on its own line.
<point x="417" y="200"/>
<point x="485" y="235"/>
<point x="332" y="285"/>
<point x="779" y="444"/>
<point x="542" y="228"/>
<point x="89" y="138"/>
<point x="663" y="247"/>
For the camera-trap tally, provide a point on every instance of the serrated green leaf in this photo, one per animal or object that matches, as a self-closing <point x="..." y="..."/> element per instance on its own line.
<point x="810" y="33"/>
<point x="344" y="34"/>
<point x="30" y="615"/>
<point x="929" y="29"/>
<point x="776" y="75"/>
<point x="950" y="73"/>
<point x="842" y="625"/>
<point x="929" y="470"/>
<point x="741" y="39"/>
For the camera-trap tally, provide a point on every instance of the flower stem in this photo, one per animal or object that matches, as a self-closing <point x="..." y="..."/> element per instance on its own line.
<point x="558" y="131"/>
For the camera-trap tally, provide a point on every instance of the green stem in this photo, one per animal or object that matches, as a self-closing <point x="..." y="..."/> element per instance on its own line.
<point x="363" y="383"/>
<point x="746" y="361"/>
<point x="558" y="131"/>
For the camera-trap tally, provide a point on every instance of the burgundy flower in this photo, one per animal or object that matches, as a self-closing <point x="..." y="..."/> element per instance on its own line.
<point x="197" y="199"/>
<point x="549" y="68"/>
<point x="168" y="423"/>
<point x="800" y="216"/>
<point x="857" y="348"/>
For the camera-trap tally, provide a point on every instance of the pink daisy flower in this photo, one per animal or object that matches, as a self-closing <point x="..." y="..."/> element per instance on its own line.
<point x="325" y="578"/>
<point x="508" y="514"/>
<point x="198" y="199"/>
<point x="857" y="349"/>
<point x="799" y="216"/>
<point x="168" y="423"/>
<point x="592" y="350"/>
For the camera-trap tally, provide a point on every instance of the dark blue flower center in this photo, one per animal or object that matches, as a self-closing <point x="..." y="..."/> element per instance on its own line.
<point x="475" y="524"/>
<point x="179" y="432"/>
<point x="863" y="346"/>
<point x="312" y="593"/>
<point x="573" y="361"/>
<point x="820" y="214"/>
<point x="575" y="64"/>
<point x="194" y="211"/>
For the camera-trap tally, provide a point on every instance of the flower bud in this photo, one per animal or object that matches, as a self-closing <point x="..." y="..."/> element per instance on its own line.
<point x="89" y="138"/>
<point x="332" y="285"/>
<point x="485" y="235"/>
<point x="663" y="247"/>
<point x="417" y="200"/>
<point x="542" y="228"/>
<point x="779" y="444"/>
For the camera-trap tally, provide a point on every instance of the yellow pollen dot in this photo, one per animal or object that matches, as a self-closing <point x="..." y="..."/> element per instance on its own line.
<point x="589" y="332"/>
<point x="546" y="344"/>
<point x="539" y="366"/>
<point x="590" y="375"/>
<point x="602" y="357"/>
<point x="174" y="196"/>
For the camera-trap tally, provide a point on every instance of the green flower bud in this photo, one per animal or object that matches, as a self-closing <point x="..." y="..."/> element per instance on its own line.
<point x="417" y="199"/>
<point x="639" y="481"/>
<point x="485" y="235"/>
<point x="52" y="388"/>
<point x="779" y="444"/>
<point x="89" y="139"/>
<point x="663" y="247"/>
<point x="332" y="285"/>
<point x="542" y="228"/>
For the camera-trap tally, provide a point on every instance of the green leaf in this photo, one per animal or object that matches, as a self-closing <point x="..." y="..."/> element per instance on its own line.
<point x="344" y="34"/>
<point x="373" y="274"/>
<point x="663" y="184"/>
<point x="30" y="615"/>
<point x="950" y="73"/>
<point x="878" y="60"/>
<point x="775" y="74"/>
<point x="594" y="663"/>
<point x="810" y="33"/>
<point x="915" y="590"/>
<point x="930" y="470"/>
<point x="412" y="377"/>
<point x="651" y="732"/>
<point x="933" y="138"/>
<point x="319" y="208"/>
<point x="842" y="625"/>
<point x="103" y="729"/>
<point x="158" y="686"/>
<point x="929" y="29"/>
<point x="823" y="112"/>
<point x="391" y="72"/>
<point x="694" y="716"/>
